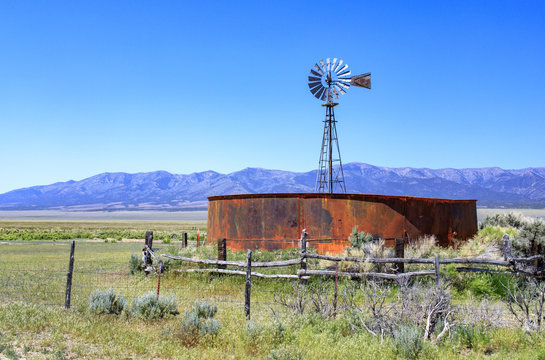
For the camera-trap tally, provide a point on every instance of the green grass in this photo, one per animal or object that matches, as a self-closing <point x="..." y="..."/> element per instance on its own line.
<point x="95" y="229"/>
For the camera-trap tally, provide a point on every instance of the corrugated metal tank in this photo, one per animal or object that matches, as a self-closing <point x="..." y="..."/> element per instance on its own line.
<point x="274" y="221"/>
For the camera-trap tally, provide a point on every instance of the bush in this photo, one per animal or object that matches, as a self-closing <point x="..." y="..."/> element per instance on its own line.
<point x="106" y="302"/>
<point x="358" y="239"/>
<point x="489" y="234"/>
<point x="504" y="220"/>
<point x="470" y="335"/>
<point x="285" y="352"/>
<point x="166" y="265"/>
<point x="198" y="322"/>
<point x="408" y="341"/>
<point x="135" y="264"/>
<point x="481" y="285"/>
<point x="151" y="306"/>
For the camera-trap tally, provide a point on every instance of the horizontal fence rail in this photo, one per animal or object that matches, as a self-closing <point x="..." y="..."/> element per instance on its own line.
<point x="509" y="262"/>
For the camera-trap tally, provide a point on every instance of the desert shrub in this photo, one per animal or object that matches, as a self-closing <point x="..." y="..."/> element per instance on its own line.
<point x="490" y="233"/>
<point x="253" y="332"/>
<point x="480" y="285"/>
<point x="421" y="247"/>
<point x="525" y="300"/>
<point x="357" y="239"/>
<point x="470" y="335"/>
<point x="504" y="220"/>
<point x="285" y="352"/>
<point x="534" y="232"/>
<point x="199" y="322"/>
<point x="106" y="302"/>
<point x="135" y="264"/>
<point x="151" y="306"/>
<point x="205" y="310"/>
<point x="408" y="341"/>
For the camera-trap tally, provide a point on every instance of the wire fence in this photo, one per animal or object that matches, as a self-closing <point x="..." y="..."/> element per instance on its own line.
<point x="37" y="274"/>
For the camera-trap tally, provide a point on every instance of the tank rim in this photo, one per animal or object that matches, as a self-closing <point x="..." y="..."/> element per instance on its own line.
<point x="335" y="196"/>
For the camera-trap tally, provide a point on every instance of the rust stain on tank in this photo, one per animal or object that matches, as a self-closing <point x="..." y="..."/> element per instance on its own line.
<point x="273" y="221"/>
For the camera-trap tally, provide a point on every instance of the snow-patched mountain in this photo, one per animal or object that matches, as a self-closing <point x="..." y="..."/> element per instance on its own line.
<point x="163" y="190"/>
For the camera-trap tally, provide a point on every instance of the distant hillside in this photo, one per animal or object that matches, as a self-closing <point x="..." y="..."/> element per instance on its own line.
<point x="163" y="190"/>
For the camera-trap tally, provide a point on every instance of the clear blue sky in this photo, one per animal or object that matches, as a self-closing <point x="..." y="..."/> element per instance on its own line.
<point x="89" y="87"/>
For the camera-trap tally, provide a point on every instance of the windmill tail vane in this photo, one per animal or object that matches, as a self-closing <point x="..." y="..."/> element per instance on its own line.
<point x="328" y="80"/>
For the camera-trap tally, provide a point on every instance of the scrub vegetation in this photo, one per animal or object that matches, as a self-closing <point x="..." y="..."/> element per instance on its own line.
<point x="116" y="312"/>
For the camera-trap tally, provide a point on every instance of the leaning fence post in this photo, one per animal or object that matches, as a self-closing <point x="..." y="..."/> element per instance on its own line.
<point x="222" y="252"/>
<point x="400" y="253"/>
<point x="247" y="292"/>
<point x="69" y="276"/>
<point x="437" y="274"/>
<point x="184" y="239"/>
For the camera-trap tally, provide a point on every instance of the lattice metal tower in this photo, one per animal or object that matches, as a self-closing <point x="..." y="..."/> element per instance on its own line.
<point x="329" y="79"/>
<point x="330" y="174"/>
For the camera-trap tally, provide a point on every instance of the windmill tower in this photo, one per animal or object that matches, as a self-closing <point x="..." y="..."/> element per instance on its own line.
<point x="328" y="80"/>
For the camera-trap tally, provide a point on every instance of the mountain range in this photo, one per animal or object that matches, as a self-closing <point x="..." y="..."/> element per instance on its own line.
<point x="162" y="190"/>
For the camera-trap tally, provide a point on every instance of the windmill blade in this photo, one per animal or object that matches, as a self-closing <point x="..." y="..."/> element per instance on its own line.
<point x="344" y="84"/>
<point x="314" y="84"/>
<point x="343" y="68"/>
<point x="345" y="76"/>
<point x="320" y="71"/>
<point x="328" y="64"/>
<point x="320" y="92"/>
<point x="314" y="90"/>
<point x="340" y="89"/>
<point x="338" y="66"/>
<point x="314" y="78"/>
<point x="322" y="66"/>
<point x="315" y="73"/>
<point x="335" y="92"/>
<point x="344" y="73"/>
<point x="333" y="64"/>
<point x="325" y="94"/>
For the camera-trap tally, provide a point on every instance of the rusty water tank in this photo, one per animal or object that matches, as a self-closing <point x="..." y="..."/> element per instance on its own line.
<point x="274" y="221"/>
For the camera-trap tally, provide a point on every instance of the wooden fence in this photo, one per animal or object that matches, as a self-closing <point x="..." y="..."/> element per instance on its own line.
<point x="510" y="262"/>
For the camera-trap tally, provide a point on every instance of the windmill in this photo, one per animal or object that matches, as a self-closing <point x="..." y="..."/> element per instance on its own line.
<point x="330" y="79"/>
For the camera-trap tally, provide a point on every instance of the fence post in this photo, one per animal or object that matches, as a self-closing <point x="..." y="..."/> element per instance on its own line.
<point x="198" y="239"/>
<point x="184" y="239"/>
<point x="303" y="248"/>
<point x="335" y="294"/>
<point x="437" y="274"/>
<point x="400" y="253"/>
<point x="149" y="239"/>
<point x="506" y="248"/>
<point x="159" y="279"/>
<point x="222" y="252"/>
<point x="248" y="290"/>
<point x="69" y="277"/>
